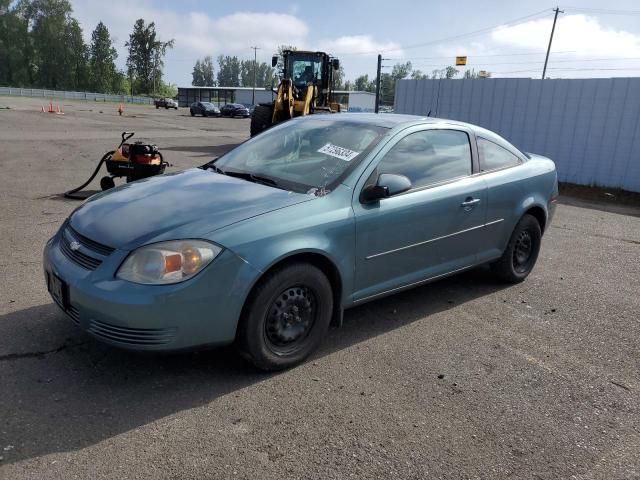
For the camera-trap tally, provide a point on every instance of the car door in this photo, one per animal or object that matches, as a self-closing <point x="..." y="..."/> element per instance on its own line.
<point x="429" y="230"/>
<point x="506" y="187"/>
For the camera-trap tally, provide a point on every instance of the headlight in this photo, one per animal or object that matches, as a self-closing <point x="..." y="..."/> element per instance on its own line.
<point x="167" y="262"/>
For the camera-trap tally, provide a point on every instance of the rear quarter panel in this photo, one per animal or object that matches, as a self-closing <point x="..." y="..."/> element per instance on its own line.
<point x="511" y="193"/>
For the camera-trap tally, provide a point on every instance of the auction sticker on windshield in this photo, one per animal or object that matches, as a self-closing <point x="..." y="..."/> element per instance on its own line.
<point x="339" y="152"/>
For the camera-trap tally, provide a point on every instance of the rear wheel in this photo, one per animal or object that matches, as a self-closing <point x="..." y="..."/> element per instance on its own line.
<point x="193" y="114"/>
<point x="520" y="256"/>
<point x="286" y="317"/>
<point x="261" y="119"/>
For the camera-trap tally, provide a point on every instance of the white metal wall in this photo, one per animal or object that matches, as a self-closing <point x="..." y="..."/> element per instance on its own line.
<point x="589" y="127"/>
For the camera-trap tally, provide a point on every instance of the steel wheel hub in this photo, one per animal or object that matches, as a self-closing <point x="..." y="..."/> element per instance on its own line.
<point x="291" y="316"/>
<point x="522" y="251"/>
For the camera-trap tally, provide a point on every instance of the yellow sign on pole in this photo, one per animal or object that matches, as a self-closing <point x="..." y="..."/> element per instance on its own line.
<point x="461" y="60"/>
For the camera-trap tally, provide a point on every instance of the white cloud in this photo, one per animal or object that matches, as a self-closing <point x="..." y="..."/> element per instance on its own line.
<point x="579" y="33"/>
<point x="359" y="44"/>
<point x="196" y="33"/>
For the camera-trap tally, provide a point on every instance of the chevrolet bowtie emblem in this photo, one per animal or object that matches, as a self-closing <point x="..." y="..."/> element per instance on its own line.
<point x="74" y="246"/>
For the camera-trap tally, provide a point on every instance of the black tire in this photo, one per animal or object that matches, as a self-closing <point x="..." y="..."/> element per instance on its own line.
<point x="193" y="114"/>
<point x="261" y="119"/>
<point x="157" y="107"/>
<point x="286" y="317"/>
<point x="520" y="256"/>
<point x="107" y="183"/>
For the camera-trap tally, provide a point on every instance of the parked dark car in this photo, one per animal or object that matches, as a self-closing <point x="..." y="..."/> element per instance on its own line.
<point x="235" y="110"/>
<point x="166" y="103"/>
<point x="205" y="109"/>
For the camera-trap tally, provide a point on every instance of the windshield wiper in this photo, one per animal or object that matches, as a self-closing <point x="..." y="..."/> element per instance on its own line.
<point x="252" y="178"/>
<point x="216" y="169"/>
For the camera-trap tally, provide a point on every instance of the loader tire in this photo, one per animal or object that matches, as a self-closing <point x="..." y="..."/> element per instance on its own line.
<point x="261" y="119"/>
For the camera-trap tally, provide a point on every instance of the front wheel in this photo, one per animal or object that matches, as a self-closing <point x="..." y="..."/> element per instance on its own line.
<point x="261" y="119"/>
<point x="286" y="317"/>
<point x="520" y="256"/>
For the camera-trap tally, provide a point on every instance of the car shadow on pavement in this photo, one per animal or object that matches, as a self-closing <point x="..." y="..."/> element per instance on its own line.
<point x="63" y="391"/>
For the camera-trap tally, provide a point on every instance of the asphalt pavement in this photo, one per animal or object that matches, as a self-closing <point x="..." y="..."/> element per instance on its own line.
<point x="465" y="378"/>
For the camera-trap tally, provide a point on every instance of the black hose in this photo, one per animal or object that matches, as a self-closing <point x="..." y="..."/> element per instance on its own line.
<point x="70" y="193"/>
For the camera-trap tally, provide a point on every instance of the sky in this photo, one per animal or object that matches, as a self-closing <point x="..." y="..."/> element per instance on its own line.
<point x="508" y="39"/>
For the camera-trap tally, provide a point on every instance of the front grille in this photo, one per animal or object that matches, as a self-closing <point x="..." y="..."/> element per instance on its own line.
<point x="88" y="243"/>
<point x="92" y="253"/>
<point x="73" y="313"/>
<point x="132" y="336"/>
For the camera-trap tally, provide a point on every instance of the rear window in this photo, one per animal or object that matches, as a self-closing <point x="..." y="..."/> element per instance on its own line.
<point x="494" y="157"/>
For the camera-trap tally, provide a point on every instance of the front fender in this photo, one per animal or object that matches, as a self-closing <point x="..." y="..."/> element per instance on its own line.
<point x="324" y="226"/>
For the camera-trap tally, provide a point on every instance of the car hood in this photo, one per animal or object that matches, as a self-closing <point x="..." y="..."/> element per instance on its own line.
<point x="188" y="204"/>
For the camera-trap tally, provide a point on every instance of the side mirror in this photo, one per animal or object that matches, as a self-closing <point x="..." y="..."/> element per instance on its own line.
<point x="335" y="63"/>
<point x="388" y="184"/>
<point x="274" y="60"/>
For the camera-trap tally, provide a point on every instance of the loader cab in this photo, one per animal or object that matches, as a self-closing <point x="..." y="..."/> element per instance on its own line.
<point x="305" y="68"/>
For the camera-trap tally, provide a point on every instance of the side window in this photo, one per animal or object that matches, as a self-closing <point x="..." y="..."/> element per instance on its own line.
<point x="493" y="156"/>
<point x="429" y="157"/>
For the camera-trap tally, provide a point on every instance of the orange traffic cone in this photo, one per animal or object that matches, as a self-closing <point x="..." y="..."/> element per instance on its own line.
<point x="50" y="107"/>
<point x="42" y="109"/>
<point x="120" y="109"/>
<point x="58" y="111"/>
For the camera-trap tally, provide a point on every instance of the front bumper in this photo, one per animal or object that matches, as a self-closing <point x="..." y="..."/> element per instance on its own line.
<point x="202" y="311"/>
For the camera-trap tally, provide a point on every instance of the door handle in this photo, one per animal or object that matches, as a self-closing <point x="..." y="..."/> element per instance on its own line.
<point x="469" y="203"/>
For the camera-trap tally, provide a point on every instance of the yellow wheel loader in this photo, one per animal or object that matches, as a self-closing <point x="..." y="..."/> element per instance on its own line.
<point x="306" y="87"/>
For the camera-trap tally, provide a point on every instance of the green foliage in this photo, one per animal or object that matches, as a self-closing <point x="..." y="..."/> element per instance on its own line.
<point x="363" y="84"/>
<point x="228" y="71"/>
<point x="263" y="72"/>
<point x="102" y="55"/>
<point x="145" y="60"/>
<point x="203" y="73"/>
<point x="168" y="90"/>
<point x="338" y="79"/>
<point x="41" y="46"/>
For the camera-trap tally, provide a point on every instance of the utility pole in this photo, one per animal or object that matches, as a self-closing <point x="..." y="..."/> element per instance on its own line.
<point x="544" y="70"/>
<point x="378" y="82"/>
<point x="255" y="67"/>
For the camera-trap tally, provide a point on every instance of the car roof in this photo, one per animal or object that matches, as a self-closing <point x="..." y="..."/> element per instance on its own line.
<point x="391" y="120"/>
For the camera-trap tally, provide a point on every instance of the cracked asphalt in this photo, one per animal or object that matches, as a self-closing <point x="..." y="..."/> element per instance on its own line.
<point x="463" y="378"/>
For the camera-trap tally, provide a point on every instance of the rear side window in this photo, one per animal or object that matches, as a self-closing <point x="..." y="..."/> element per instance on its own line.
<point x="493" y="156"/>
<point x="430" y="156"/>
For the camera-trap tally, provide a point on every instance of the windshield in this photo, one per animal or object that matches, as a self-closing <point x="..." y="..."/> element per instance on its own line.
<point x="207" y="104"/>
<point x="305" y="69"/>
<point x="307" y="155"/>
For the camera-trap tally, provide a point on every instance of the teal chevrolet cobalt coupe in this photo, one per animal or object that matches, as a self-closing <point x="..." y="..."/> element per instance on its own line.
<point x="268" y="244"/>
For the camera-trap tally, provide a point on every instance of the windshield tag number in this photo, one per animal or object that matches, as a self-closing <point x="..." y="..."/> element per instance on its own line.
<point x="339" y="152"/>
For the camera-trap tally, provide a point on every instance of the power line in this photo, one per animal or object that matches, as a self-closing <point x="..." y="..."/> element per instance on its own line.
<point x="603" y="11"/>
<point x="512" y="22"/>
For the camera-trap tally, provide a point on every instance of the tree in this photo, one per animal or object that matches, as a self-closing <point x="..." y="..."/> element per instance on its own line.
<point x="102" y="56"/>
<point x="418" y="75"/>
<point x="145" y="60"/>
<point x="207" y="72"/>
<point x="197" y="75"/>
<point x="228" y="71"/>
<point x="59" y="53"/>
<point x="363" y="84"/>
<point x="338" y="79"/>
<point x="203" y="73"/>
